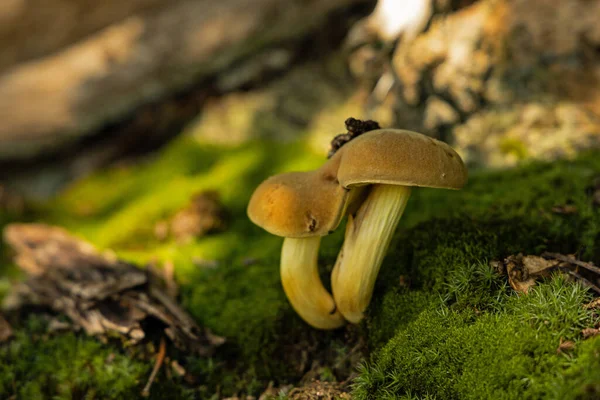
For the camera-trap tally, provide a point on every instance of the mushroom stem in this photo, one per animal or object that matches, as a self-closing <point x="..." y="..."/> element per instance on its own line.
<point x="368" y="235"/>
<point x="302" y="284"/>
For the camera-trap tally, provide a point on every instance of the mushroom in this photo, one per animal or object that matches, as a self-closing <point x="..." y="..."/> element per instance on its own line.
<point x="302" y="207"/>
<point x="386" y="163"/>
<point x="368" y="179"/>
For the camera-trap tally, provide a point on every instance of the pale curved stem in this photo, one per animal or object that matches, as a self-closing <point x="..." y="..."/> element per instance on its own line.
<point x="303" y="286"/>
<point x="368" y="236"/>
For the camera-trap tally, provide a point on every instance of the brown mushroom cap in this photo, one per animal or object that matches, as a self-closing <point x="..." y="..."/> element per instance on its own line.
<point x="300" y="204"/>
<point x="399" y="157"/>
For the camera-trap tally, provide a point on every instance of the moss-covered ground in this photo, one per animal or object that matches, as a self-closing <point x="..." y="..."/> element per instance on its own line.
<point x="442" y="323"/>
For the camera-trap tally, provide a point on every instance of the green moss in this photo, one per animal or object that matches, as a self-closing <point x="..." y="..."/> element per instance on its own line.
<point x="580" y="379"/>
<point x="36" y="365"/>
<point x="442" y="324"/>
<point x="65" y="367"/>
<point x="462" y="354"/>
<point x="476" y="338"/>
<point x="511" y="353"/>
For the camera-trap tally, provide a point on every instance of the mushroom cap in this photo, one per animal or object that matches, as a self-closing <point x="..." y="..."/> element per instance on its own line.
<point x="399" y="157"/>
<point x="300" y="204"/>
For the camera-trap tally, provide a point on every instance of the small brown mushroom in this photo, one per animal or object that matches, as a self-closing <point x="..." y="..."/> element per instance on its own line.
<point x="302" y="207"/>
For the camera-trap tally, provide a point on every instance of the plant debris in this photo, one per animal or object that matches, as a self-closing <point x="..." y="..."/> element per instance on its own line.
<point x="522" y="271"/>
<point x="318" y="390"/>
<point x="590" y="332"/>
<point x="97" y="292"/>
<point x="5" y="330"/>
<point x="564" y="209"/>
<point x="204" y="215"/>
<point x="355" y="127"/>
<point x="160" y="358"/>
<point x="565" y="346"/>
<point x="593" y="305"/>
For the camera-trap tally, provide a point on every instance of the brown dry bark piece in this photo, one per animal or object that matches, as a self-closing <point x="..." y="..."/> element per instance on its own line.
<point x="98" y="292"/>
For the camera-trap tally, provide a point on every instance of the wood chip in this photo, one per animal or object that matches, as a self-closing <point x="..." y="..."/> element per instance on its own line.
<point x="98" y="292"/>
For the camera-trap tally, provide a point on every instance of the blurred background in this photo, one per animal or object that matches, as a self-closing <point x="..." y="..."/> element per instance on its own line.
<point x="85" y="84"/>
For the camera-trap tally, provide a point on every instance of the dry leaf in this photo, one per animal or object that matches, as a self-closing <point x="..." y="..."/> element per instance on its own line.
<point x="522" y="271"/>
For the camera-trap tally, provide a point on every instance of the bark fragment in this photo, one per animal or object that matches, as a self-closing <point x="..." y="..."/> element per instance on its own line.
<point x="97" y="291"/>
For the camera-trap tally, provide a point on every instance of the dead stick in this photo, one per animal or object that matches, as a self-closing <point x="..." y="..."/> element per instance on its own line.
<point x="573" y="260"/>
<point x="162" y="350"/>
<point x="582" y="279"/>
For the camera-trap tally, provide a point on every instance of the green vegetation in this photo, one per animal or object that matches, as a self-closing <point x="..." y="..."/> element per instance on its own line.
<point x="508" y="353"/>
<point x="442" y="323"/>
<point x="71" y="366"/>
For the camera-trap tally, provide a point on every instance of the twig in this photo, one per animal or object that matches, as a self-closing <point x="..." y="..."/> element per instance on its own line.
<point x="573" y="260"/>
<point x="582" y="279"/>
<point x="162" y="350"/>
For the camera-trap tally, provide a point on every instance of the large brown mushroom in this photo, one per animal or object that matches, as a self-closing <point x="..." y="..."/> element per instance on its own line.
<point x="386" y="163"/>
<point x="368" y="179"/>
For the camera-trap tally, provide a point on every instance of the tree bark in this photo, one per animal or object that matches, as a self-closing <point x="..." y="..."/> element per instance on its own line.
<point x="53" y="100"/>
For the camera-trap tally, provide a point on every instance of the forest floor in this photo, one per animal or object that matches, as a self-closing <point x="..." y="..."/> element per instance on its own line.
<point x="443" y="322"/>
